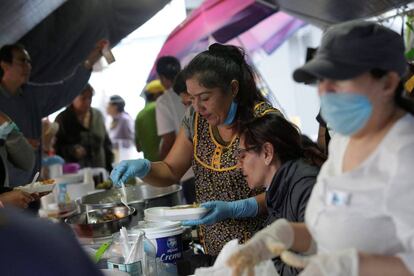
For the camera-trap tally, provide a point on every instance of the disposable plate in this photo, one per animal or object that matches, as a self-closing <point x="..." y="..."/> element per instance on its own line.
<point x="37" y="187"/>
<point x="176" y="213"/>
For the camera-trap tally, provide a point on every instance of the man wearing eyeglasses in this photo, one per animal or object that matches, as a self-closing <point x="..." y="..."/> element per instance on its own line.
<point x="26" y="104"/>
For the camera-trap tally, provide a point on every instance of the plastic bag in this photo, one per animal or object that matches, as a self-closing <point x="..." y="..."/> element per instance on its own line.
<point x="221" y="269"/>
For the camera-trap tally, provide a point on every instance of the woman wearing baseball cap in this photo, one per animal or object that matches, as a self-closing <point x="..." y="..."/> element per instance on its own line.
<point x="360" y="215"/>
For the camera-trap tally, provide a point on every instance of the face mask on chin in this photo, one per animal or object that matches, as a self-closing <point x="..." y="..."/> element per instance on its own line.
<point x="345" y="113"/>
<point x="231" y="114"/>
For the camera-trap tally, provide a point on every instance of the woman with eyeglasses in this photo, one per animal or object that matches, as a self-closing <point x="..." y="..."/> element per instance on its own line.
<point x="272" y="155"/>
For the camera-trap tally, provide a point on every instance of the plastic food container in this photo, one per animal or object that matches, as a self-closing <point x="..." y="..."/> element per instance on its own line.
<point x="176" y="213"/>
<point x="167" y="241"/>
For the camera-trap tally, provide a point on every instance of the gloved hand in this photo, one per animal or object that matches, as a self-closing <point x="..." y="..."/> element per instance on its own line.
<point x="220" y="210"/>
<point x="342" y="263"/>
<point x="265" y="244"/>
<point x="130" y="168"/>
<point x="52" y="160"/>
<point x="6" y="128"/>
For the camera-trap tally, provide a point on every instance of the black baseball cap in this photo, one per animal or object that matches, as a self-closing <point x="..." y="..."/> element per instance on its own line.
<point x="352" y="48"/>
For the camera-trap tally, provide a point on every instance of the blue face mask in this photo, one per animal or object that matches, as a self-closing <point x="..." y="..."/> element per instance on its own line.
<point x="5" y="129"/>
<point x="231" y="114"/>
<point x="345" y="113"/>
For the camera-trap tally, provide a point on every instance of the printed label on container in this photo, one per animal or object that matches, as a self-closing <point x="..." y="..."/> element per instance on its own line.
<point x="169" y="249"/>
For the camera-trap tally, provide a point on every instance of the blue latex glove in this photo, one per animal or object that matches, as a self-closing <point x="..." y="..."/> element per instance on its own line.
<point x="220" y="210"/>
<point x="6" y="128"/>
<point x="130" y="168"/>
<point x="52" y="160"/>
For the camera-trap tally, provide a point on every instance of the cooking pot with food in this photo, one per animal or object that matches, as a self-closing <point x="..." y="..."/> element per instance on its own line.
<point x="140" y="197"/>
<point x="103" y="222"/>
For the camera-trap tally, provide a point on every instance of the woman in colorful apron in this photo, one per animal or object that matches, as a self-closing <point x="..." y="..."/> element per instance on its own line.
<point x="223" y="91"/>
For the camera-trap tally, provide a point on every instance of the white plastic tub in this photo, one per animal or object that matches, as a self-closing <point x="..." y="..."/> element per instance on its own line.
<point x="166" y="237"/>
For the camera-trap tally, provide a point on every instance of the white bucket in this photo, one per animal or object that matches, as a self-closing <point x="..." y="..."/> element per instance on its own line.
<point x="166" y="236"/>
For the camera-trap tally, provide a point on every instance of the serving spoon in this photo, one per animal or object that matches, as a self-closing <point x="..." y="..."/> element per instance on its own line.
<point x="36" y="176"/>
<point x="124" y="197"/>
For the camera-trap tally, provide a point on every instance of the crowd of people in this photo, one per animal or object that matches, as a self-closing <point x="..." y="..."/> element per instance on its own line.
<point x="343" y="211"/>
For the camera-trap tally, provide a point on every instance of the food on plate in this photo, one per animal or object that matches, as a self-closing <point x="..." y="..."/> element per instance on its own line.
<point x="188" y="206"/>
<point x="42" y="187"/>
<point x="47" y="181"/>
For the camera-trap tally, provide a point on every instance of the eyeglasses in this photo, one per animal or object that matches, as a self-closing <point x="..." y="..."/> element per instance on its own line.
<point x="241" y="153"/>
<point x="22" y="60"/>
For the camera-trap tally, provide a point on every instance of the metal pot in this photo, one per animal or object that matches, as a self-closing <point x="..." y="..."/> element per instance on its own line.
<point x="79" y="222"/>
<point x="165" y="196"/>
<point x="140" y="197"/>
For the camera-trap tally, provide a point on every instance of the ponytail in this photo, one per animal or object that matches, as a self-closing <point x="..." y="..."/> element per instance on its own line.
<point x="312" y="153"/>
